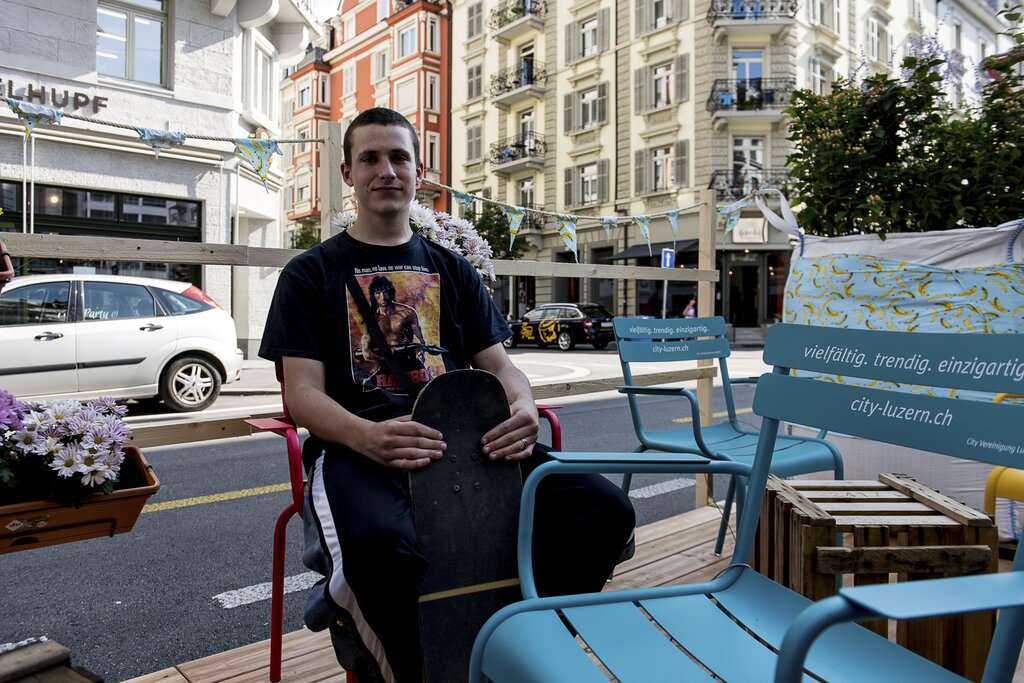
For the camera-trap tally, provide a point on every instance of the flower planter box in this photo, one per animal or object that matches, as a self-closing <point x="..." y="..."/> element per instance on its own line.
<point x="36" y="524"/>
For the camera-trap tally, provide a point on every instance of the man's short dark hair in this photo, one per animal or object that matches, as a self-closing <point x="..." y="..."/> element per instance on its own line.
<point x="380" y="116"/>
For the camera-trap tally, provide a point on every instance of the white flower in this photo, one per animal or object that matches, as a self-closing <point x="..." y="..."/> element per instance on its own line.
<point x="47" y="446"/>
<point x="421" y="217"/>
<point x="60" y="411"/>
<point x="97" y="474"/>
<point x="343" y="220"/>
<point x="25" y="440"/>
<point x="68" y="461"/>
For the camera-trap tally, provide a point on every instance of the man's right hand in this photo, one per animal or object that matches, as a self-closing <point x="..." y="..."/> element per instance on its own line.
<point x="399" y="443"/>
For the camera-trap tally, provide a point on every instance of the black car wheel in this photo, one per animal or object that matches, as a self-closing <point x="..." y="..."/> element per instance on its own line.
<point x="565" y="341"/>
<point x="190" y="383"/>
<point x="601" y="345"/>
<point x="510" y="343"/>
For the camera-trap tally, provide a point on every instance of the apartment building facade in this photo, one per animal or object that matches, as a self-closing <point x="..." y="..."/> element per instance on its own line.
<point x="203" y="67"/>
<point x="394" y="53"/>
<point x="598" y="108"/>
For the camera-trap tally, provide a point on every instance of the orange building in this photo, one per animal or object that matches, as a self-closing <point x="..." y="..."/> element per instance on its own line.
<point x="395" y="53"/>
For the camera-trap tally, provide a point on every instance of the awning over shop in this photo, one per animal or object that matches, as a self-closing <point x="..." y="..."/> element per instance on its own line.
<point x="640" y="250"/>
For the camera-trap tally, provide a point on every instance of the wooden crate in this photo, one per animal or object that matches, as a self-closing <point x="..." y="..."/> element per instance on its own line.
<point x="815" y="534"/>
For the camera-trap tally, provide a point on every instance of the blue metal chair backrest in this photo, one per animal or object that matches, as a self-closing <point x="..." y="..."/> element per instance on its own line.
<point x="891" y="387"/>
<point x="646" y="340"/>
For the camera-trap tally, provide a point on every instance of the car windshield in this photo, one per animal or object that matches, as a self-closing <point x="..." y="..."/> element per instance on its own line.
<point x="595" y="312"/>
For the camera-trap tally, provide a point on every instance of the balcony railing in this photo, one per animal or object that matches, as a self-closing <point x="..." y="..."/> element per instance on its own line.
<point x="752" y="94"/>
<point x="732" y="184"/>
<point x="517" y="147"/>
<point x="514" y="10"/>
<point x="752" y="10"/>
<point x="533" y="221"/>
<point x="528" y="72"/>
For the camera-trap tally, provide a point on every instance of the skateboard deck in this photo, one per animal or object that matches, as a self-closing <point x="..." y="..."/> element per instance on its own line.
<point x="466" y="509"/>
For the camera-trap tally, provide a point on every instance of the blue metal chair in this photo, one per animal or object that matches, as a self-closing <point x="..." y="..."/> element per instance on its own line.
<point x="741" y="626"/>
<point x="641" y="340"/>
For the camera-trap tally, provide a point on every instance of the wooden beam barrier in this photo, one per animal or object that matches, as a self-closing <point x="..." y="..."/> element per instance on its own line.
<point x="190" y="431"/>
<point x="202" y="253"/>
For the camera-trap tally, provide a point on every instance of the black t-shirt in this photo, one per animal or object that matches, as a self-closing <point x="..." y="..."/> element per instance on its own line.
<point x="428" y="301"/>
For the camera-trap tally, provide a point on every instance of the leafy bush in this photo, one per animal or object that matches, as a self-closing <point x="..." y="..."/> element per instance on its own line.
<point x="891" y="155"/>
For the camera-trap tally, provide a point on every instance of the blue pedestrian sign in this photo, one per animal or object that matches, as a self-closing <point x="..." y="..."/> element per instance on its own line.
<point x="668" y="258"/>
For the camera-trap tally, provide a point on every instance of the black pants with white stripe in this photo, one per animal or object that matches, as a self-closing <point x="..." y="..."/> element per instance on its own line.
<point x="362" y="514"/>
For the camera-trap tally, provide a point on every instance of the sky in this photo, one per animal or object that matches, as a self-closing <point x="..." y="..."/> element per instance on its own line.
<point x="324" y="9"/>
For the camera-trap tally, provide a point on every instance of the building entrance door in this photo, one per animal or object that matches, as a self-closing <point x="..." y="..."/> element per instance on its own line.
<point x="744" y="304"/>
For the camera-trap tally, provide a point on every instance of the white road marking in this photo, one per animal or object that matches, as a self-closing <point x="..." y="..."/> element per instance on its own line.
<point x="573" y="371"/>
<point x="662" y="487"/>
<point x="262" y="591"/>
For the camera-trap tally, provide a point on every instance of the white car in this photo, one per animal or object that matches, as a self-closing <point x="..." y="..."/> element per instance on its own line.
<point x="84" y="336"/>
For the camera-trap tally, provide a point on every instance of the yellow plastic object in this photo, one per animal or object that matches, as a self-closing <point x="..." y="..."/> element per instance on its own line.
<point x="1003" y="482"/>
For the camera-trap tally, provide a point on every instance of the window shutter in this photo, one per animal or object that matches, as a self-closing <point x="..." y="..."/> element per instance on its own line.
<point x="641" y="77"/>
<point x="602" y="181"/>
<point x="682" y="163"/>
<point x="570" y="120"/>
<point x="836" y="16"/>
<point x="682" y="92"/>
<point x="642" y="20"/>
<point x="572" y="30"/>
<point x="640" y="171"/>
<point x="604" y="24"/>
<point x="570" y="174"/>
<point x="681" y="10"/>
<point x="602" y="102"/>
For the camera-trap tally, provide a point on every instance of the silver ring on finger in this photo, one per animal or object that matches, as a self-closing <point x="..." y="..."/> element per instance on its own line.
<point x="526" y="444"/>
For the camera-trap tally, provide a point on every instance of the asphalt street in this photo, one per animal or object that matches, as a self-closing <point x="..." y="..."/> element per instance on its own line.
<point x="190" y="579"/>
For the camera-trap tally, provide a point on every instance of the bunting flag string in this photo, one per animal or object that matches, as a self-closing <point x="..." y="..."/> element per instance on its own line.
<point x="32" y="115"/>
<point x="160" y="140"/>
<point x="566" y="224"/>
<point x="644" y="222"/>
<point x="608" y="222"/>
<point x="462" y="197"/>
<point x="257" y="153"/>
<point x="673" y="218"/>
<point x="731" y="212"/>
<point x="515" y="215"/>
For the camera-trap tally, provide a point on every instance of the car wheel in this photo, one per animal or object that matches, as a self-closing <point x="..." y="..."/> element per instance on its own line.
<point x="601" y="345"/>
<point x="190" y="383"/>
<point x="509" y="343"/>
<point x="565" y="341"/>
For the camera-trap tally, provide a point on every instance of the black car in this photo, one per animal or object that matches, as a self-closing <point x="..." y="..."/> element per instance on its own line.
<point x="565" y="325"/>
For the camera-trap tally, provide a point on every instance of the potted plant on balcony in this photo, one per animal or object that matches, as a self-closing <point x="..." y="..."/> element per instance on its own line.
<point x="912" y="216"/>
<point x="66" y="473"/>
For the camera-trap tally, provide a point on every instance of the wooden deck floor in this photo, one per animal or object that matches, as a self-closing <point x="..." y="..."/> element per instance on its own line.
<point x="675" y="550"/>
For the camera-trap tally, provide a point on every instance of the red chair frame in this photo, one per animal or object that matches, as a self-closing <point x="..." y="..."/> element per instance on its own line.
<point x="285" y="426"/>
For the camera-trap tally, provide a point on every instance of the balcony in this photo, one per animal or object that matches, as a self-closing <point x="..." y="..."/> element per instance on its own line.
<point x="532" y="222"/>
<point x="733" y="184"/>
<point x="518" y="153"/>
<point x="745" y="17"/>
<point x="761" y="99"/>
<point x="518" y="83"/>
<point x="513" y="18"/>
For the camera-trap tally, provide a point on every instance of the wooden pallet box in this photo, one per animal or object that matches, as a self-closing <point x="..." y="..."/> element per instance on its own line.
<point x="815" y="535"/>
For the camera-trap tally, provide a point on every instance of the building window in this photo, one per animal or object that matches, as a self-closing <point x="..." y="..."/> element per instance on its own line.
<point x="383" y="8"/>
<point x="526" y="186"/>
<point x="323" y="89"/>
<point x="662" y="85"/>
<point x="131" y="39"/>
<point x="747" y="164"/>
<point x="405" y="95"/>
<point x="587" y="184"/>
<point x="406" y="41"/>
<point x="660" y="169"/>
<point x="303" y="97"/>
<point x="474" y="20"/>
<point x="878" y="40"/>
<point x="474" y="143"/>
<point x="433" y="34"/>
<point x="348" y="80"/>
<point x="433" y="151"/>
<point x="587" y="37"/>
<point x="303" y="134"/>
<point x="433" y="93"/>
<point x="262" y="80"/>
<point x="653" y="14"/>
<point x="381" y="65"/>
<point x="475" y="81"/>
<point x="348" y="29"/>
<point x="821" y="76"/>
<point x="587" y="108"/>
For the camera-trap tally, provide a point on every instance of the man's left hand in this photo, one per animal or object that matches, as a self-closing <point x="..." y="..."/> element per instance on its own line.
<point x="513" y="439"/>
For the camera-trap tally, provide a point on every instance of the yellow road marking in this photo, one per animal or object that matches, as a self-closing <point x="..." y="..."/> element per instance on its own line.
<point x="215" y="498"/>
<point x="724" y="413"/>
<point x="466" y="590"/>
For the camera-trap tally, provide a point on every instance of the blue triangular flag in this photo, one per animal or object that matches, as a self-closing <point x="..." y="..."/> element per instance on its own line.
<point x="158" y="139"/>
<point x="32" y="115"/>
<point x="257" y="153"/>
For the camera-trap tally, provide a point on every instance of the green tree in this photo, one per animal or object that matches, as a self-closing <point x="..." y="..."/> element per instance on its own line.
<point x="492" y="225"/>
<point x="891" y="155"/>
<point x="305" y="236"/>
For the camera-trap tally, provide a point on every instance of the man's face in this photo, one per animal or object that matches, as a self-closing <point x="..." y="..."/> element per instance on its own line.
<point x="384" y="174"/>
